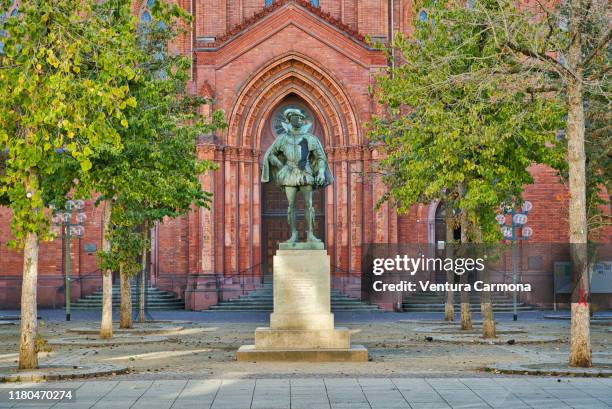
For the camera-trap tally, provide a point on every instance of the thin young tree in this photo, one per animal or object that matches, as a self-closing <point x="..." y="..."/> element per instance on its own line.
<point x="156" y="175"/>
<point x="63" y="71"/>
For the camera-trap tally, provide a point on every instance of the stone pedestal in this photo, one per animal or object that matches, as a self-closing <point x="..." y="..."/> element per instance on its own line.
<point x="302" y="325"/>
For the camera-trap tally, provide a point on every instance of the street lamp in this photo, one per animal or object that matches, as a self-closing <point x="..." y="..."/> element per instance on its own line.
<point x="63" y="220"/>
<point x="518" y="219"/>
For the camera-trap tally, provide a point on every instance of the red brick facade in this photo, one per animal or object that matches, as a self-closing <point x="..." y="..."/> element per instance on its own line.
<point x="251" y="60"/>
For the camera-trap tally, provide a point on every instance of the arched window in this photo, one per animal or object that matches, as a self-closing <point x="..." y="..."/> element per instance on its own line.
<point x="268" y="3"/>
<point x="423" y="15"/>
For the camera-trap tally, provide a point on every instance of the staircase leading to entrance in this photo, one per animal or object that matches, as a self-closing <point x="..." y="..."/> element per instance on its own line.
<point x="434" y="302"/>
<point x="156" y="300"/>
<point x="262" y="300"/>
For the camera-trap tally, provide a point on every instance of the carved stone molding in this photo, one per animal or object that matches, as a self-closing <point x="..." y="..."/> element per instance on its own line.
<point x="306" y="79"/>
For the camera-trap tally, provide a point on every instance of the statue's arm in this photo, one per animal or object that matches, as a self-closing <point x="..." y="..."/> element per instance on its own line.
<point x="274" y="150"/>
<point x="319" y="158"/>
<point x="320" y="164"/>
<point x="271" y="161"/>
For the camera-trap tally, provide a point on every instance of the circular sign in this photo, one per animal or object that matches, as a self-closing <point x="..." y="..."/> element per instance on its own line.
<point x="527" y="206"/>
<point x="527" y="232"/>
<point x="519" y="218"/>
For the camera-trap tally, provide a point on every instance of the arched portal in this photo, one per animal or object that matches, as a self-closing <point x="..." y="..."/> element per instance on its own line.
<point x="254" y="214"/>
<point x="274" y="202"/>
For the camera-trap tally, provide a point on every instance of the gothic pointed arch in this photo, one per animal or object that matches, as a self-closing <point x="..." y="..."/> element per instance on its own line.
<point x="298" y="74"/>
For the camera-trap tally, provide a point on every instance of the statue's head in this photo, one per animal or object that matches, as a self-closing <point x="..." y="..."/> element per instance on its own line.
<point x="295" y="117"/>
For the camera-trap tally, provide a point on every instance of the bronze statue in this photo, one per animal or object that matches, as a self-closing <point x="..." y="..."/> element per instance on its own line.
<point x="296" y="162"/>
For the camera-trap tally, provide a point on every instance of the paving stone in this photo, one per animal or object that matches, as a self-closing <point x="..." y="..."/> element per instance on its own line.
<point x="445" y="383"/>
<point x="429" y="405"/>
<point x="234" y="394"/>
<point x="545" y="403"/>
<point x="587" y="403"/>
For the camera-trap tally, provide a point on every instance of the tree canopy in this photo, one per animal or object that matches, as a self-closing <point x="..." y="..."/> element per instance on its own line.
<point x="457" y="126"/>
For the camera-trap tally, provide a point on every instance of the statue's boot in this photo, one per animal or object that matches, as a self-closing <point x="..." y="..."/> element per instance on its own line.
<point x="292" y="226"/>
<point x="309" y="214"/>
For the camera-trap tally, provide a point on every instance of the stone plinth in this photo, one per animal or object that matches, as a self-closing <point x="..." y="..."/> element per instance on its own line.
<point x="302" y="325"/>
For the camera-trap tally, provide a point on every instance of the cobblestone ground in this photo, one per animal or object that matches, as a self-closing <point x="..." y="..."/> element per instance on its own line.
<point x="404" y="366"/>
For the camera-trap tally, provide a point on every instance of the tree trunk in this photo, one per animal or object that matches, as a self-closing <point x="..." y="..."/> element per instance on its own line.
<point x="580" y="345"/>
<point x="28" y="353"/>
<point x="486" y="309"/>
<point x="106" y="325"/>
<point x="143" y="274"/>
<point x="449" y="306"/>
<point x="466" y="314"/>
<point x="125" y="309"/>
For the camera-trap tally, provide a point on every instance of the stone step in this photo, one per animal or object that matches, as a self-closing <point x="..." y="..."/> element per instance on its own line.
<point x="262" y="299"/>
<point x="270" y="301"/>
<point x="156" y="308"/>
<point x="473" y="307"/>
<point x="443" y="300"/>
<point x="457" y="304"/>
<point x="430" y="301"/>
<point x="268" y="307"/>
<point x="156" y="299"/>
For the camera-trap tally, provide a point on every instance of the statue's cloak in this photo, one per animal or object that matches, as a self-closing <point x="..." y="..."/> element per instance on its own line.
<point x="269" y="171"/>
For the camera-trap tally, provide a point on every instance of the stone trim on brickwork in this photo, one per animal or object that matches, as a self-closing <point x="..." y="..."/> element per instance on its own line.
<point x="291" y="15"/>
<point x="276" y="5"/>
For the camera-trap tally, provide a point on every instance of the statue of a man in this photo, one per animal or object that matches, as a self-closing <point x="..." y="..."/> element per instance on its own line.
<point x="296" y="162"/>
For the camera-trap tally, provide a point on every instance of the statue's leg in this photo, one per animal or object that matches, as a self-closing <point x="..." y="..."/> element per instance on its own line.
<point x="309" y="214"/>
<point x="291" y="192"/>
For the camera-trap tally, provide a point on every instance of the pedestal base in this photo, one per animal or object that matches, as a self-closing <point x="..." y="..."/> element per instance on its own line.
<point x="301" y="246"/>
<point x="302" y="325"/>
<point x="283" y="339"/>
<point x="356" y="353"/>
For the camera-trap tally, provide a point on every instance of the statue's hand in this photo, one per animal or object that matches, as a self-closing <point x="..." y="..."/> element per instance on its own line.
<point x="321" y="178"/>
<point x="276" y="162"/>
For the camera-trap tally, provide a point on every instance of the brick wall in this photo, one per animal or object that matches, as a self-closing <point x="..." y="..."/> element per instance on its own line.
<point x="289" y="51"/>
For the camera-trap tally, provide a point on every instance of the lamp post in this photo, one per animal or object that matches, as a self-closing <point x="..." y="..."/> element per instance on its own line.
<point x="63" y="220"/>
<point x="518" y="219"/>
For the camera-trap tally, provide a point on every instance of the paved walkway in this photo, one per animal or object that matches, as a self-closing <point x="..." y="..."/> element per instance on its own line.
<point x="333" y="393"/>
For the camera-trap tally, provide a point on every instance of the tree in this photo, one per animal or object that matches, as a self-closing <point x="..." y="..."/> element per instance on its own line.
<point x="63" y="70"/>
<point x="456" y="130"/>
<point x="564" y="49"/>
<point x="156" y="175"/>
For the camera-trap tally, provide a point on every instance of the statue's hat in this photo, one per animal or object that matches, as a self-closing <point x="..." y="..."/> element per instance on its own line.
<point x="293" y="111"/>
